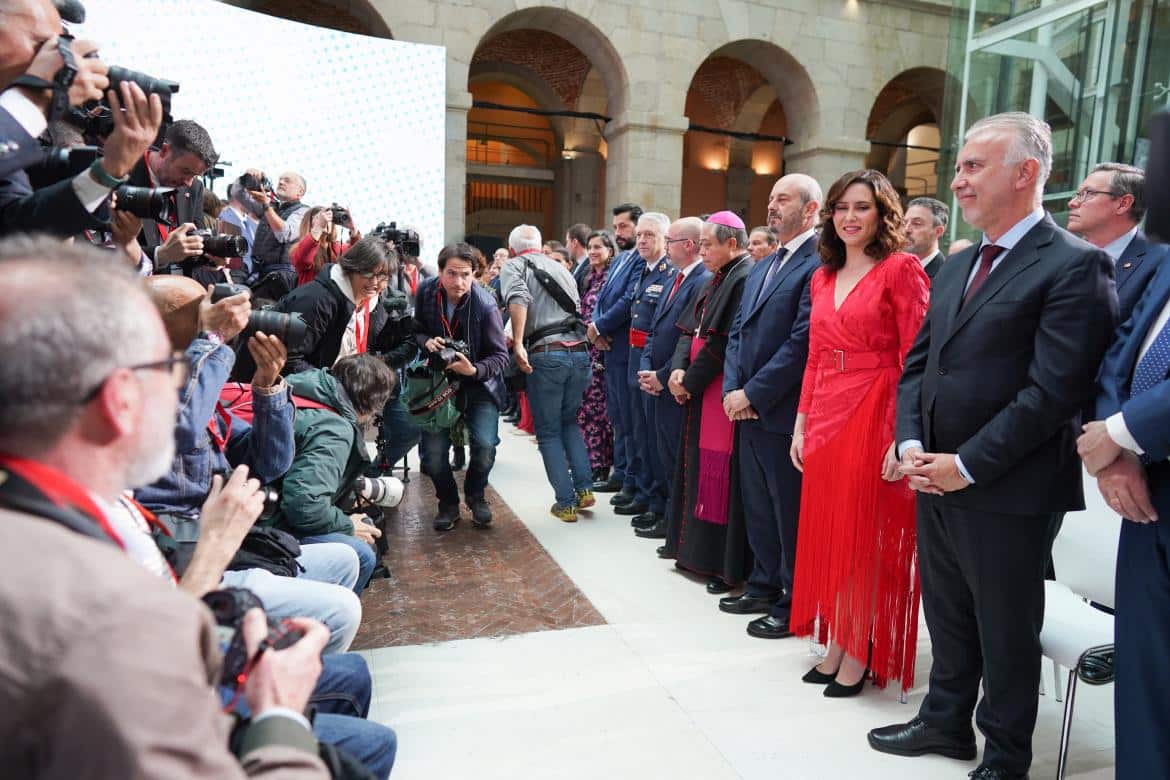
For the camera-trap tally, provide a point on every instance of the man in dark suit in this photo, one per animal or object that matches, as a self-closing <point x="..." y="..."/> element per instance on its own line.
<point x="926" y="221"/>
<point x="1127" y="448"/>
<point x="762" y="372"/>
<point x="610" y="332"/>
<point x="1106" y="212"/>
<point x="577" y="244"/>
<point x="988" y="412"/>
<point x="664" y="415"/>
<point x="80" y="203"/>
<point x="186" y="154"/>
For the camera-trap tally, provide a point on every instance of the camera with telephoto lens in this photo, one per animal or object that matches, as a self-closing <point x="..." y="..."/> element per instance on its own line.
<point x="341" y="216"/>
<point x="157" y="203"/>
<point x="253" y="184"/>
<point x="222" y="244"/>
<point x="405" y="241"/>
<point x="383" y="491"/>
<point x="289" y="328"/>
<point x="229" y="605"/>
<point x="60" y="163"/>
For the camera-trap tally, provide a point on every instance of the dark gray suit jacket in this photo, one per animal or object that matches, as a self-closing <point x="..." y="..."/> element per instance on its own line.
<point x="1002" y="379"/>
<point x="1135" y="268"/>
<point x="933" y="264"/>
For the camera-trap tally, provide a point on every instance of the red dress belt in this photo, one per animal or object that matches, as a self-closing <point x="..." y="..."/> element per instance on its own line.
<point x="840" y="360"/>
<point x="638" y="338"/>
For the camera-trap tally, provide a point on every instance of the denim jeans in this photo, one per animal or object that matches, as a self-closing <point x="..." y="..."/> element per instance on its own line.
<point x="482" y="418"/>
<point x="398" y="431"/>
<point x="555" y="388"/>
<point x="323" y="591"/>
<point x="367" y="556"/>
<point x="341" y="699"/>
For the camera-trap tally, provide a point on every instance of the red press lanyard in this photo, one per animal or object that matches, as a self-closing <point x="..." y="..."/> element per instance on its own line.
<point x="60" y="489"/>
<point x="220" y="440"/>
<point x="362" y="328"/>
<point x="450" y="326"/>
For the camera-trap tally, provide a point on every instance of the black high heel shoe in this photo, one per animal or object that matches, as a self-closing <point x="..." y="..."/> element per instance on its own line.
<point x="836" y="690"/>
<point x="815" y="676"/>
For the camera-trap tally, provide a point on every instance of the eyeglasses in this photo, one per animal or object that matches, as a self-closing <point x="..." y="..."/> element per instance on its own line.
<point x="368" y="275"/>
<point x="177" y="364"/>
<point x="670" y="241"/>
<point x="1084" y="194"/>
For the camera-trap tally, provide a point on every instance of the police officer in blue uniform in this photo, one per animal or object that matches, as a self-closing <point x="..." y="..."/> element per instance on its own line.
<point x="649" y="282"/>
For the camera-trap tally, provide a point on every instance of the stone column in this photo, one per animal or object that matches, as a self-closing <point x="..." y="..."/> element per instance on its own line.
<point x="645" y="161"/>
<point x="825" y="159"/>
<point x="578" y="190"/>
<point x="455" y="207"/>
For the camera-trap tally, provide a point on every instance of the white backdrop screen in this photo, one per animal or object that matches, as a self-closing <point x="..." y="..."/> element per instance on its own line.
<point x="361" y="118"/>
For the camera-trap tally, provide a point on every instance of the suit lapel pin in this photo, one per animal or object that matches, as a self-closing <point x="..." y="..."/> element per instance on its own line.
<point x="1127" y="265"/>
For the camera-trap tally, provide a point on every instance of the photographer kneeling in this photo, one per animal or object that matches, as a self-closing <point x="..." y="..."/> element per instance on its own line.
<point x="331" y="454"/>
<point x="209" y="440"/>
<point x="451" y="309"/>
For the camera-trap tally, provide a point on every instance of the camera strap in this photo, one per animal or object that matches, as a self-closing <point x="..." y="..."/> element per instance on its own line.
<point x="62" y="79"/>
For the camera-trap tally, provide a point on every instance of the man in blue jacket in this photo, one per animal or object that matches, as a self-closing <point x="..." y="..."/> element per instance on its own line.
<point x="453" y="307"/>
<point x="610" y="332"/>
<point x="762" y="373"/>
<point x="1127" y="448"/>
<point x="664" y="415"/>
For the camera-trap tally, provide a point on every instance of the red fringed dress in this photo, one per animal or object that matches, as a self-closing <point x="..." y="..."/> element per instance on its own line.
<point x="855" y="561"/>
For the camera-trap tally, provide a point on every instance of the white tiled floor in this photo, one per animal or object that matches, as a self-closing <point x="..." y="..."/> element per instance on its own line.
<point x="670" y="688"/>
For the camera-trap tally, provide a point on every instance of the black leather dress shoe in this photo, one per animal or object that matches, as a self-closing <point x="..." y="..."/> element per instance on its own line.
<point x="745" y="604"/>
<point x="715" y="586"/>
<point x="656" y="531"/>
<point x="631" y="509"/>
<point x="623" y="498"/>
<point x="644" y="520"/>
<point x="985" y="772"/>
<point x="769" y="627"/>
<point x="917" y="738"/>
<point x="610" y="485"/>
<point x="662" y="553"/>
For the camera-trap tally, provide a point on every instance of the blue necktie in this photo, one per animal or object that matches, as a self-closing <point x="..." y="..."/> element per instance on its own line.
<point x="772" y="269"/>
<point x="1152" y="368"/>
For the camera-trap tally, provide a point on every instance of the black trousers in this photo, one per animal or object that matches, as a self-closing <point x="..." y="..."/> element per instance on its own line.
<point x="983" y="597"/>
<point x="1142" y="636"/>
<point x="770" y="489"/>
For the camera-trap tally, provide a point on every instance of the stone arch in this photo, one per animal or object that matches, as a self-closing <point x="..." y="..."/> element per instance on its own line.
<point x="906" y="113"/>
<point x="582" y="34"/>
<point x="353" y="16"/>
<point x="730" y="91"/>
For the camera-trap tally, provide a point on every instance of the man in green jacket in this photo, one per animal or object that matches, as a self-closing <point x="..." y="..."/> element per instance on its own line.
<point x="331" y="453"/>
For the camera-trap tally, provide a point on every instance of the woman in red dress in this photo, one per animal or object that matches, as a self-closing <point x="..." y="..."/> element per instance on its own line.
<point x="855" y="547"/>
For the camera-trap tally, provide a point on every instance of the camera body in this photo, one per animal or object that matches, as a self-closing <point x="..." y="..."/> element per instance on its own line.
<point x="222" y="244"/>
<point x="253" y="184"/>
<point x="453" y="349"/>
<point x="405" y="241"/>
<point x="229" y="605"/>
<point x="341" y="216"/>
<point x="289" y="328"/>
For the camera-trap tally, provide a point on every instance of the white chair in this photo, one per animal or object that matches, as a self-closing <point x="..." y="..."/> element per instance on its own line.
<point x="1076" y="634"/>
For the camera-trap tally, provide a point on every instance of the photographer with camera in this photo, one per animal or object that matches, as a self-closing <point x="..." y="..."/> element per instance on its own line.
<point x="241" y="216"/>
<point x="340" y="307"/>
<point x="331" y="454"/>
<point x="319" y="245"/>
<point x="459" y="326"/>
<point x="106" y="673"/>
<point x="186" y="154"/>
<point x="210" y="440"/>
<point x="36" y="80"/>
<point x="280" y="224"/>
<point x="80" y="202"/>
